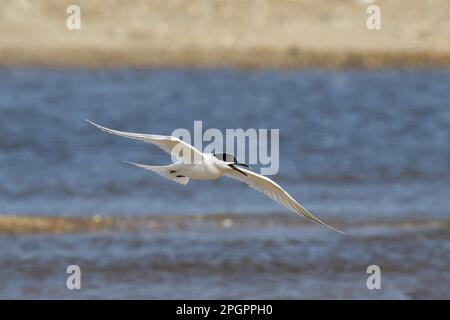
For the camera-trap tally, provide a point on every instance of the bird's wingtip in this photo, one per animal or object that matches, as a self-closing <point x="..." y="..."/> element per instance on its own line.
<point x="132" y="163"/>
<point x="341" y="232"/>
<point x="335" y="230"/>
<point x="98" y="126"/>
<point x="92" y="122"/>
<point x="314" y="219"/>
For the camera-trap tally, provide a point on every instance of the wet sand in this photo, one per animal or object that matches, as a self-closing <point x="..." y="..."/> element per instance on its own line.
<point x="15" y="224"/>
<point x="246" y="34"/>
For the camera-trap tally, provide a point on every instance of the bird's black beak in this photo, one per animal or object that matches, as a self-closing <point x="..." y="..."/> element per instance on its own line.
<point x="232" y="166"/>
<point x="243" y="164"/>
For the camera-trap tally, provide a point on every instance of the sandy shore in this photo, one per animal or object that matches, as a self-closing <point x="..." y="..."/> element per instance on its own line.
<point x="14" y="224"/>
<point x="239" y="33"/>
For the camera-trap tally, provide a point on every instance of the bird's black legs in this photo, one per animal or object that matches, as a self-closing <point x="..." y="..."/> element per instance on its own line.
<point x="178" y="176"/>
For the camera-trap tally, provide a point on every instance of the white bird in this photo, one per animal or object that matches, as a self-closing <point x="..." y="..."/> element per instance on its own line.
<point x="211" y="166"/>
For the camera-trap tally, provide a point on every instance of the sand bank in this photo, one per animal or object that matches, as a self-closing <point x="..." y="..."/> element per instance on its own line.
<point x="237" y="33"/>
<point x="15" y="224"/>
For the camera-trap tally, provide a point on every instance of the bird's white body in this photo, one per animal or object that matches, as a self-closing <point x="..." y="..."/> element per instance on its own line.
<point x="207" y="166"/>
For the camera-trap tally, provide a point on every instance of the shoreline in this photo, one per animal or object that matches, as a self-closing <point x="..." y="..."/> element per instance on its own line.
<point x="41" y="224"/>
<point x="250" y="59"/>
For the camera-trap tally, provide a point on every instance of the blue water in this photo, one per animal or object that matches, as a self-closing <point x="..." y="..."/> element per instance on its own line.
<point x="349" y="141"/>
<point x="367" y="147"/>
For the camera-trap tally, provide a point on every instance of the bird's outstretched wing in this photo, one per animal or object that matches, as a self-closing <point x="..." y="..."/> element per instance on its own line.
<point x="172" y="145"/>
<point x="275" y="192"/>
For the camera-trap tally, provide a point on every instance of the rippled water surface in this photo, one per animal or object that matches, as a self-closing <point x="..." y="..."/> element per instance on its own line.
<point x="366" y="151"/>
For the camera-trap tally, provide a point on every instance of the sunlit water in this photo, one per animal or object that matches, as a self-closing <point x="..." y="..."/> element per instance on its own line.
<point x="365" y="151"/>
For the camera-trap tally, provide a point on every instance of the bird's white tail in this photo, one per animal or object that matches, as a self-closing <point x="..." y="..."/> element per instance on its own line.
<point x="164" y="171"/>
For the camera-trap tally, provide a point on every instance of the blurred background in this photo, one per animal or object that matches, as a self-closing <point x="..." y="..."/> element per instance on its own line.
<point x="364" y="131"/>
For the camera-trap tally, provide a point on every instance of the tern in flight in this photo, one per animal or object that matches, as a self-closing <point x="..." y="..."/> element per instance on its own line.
<point x="211" y="166"/>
